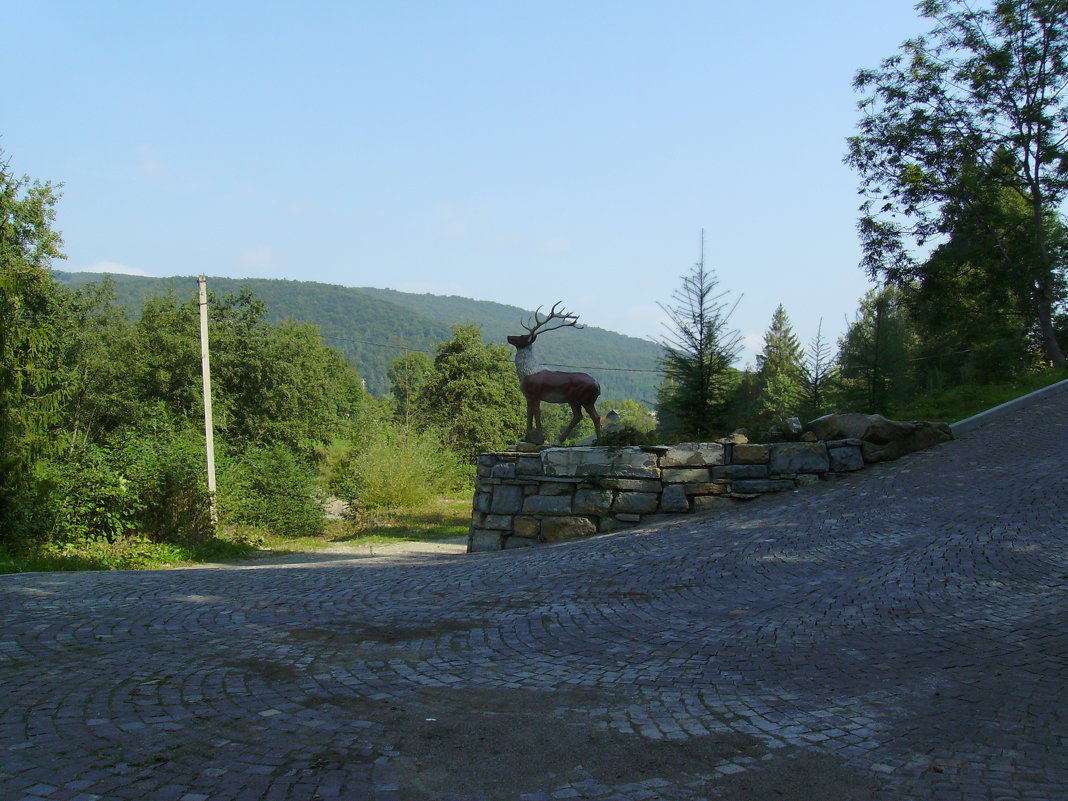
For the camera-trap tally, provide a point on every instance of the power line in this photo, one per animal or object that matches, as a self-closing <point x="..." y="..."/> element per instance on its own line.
<point x="429" y="353"/>
<point x="615" y="369"/>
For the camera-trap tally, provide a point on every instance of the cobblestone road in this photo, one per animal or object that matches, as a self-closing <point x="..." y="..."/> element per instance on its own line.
<point x="898" y="634"/>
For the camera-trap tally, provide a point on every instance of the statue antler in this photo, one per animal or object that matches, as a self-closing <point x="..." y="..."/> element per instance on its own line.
<point x="567" y="320"/>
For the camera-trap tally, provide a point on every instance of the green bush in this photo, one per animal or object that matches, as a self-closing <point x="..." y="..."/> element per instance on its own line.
<point x="169" y="471"/>
<point x="397" y="467"/>
<point x="270" y="488"/>
<point x="87" y="497"/>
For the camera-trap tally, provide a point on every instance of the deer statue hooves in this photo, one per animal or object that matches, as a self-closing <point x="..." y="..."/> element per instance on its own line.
<point x="578" y="390"/>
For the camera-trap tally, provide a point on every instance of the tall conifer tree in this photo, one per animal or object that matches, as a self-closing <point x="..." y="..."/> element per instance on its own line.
<point x="781" y="369"/>
<point x="698" y="353"/>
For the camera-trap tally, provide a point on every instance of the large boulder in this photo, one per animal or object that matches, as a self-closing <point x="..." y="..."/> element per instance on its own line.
<point x="881" y="439"/>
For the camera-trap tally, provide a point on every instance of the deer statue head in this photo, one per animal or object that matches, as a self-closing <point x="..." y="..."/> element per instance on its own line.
<point x="578" y="390"/>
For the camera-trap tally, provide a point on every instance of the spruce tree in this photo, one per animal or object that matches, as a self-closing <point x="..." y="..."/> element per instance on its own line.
<point x="818" y="377"/>
<point x="698" y="354"/>
<point x="780" y="365"/>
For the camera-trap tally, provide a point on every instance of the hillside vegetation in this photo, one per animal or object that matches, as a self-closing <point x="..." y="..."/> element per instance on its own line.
<point x="372" y="327"/>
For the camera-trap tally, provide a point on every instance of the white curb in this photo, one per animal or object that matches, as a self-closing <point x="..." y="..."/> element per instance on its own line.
<point x="990" y="415"/>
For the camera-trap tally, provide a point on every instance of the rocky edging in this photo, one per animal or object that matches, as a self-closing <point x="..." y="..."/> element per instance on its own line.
<point x="547" y="494"/>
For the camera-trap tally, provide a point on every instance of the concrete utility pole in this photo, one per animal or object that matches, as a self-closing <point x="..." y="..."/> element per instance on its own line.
<point x="205" y="368"/>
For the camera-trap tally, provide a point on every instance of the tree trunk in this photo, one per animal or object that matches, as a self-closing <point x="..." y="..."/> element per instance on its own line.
<point x="1043" y="283"/>
<point x="1044" y="310"/>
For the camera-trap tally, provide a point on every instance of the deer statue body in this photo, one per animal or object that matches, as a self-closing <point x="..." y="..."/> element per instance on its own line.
<point x="578" y="390"/>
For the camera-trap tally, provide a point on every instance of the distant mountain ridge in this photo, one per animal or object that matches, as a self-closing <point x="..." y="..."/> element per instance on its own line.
<point x="372" y="327"/>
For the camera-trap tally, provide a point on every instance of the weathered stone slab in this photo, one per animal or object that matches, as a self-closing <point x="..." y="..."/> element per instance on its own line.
<point x="711" y="503"/>
<point x="638" y="503"/>
<point x="480" y="540"/>
<point x="748" y="486"/>
<point x="842" y="443"/>
<point x="589" y="461"/>
<point x="529" y="527"/>
<point x="798" y="457"/>
<point x="507" y="500"/>
<point x="518" y="542"/>
<point x="563" y="528"/>
<point x="684" y="475"/>
<point x="482" y="501"/>
<point x="845" y="459"/>
<point x="630" y="484"/>
<point x="628" y="517"/>
<point x="555" y="489"/>
<point x="528" y="466"/>
<point x="499" y="522"/>
<point x="737" y="438"/>
<point x="733" y="471"/>
<point x="592" y="502"/>
<point x="674" y="499"/>
<point x="548" y="504"/>
<point x="504" y="470"/>
<point x="750" y="454"/>
<point x="693" y="454"/>
<point x="707" y="488"/>
<point x="923" y="435"/>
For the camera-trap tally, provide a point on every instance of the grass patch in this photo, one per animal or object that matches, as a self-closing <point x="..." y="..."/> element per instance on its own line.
<point x="127" y="553"/>
<point x="965" y="401"/>
<point x="440" y="519"/>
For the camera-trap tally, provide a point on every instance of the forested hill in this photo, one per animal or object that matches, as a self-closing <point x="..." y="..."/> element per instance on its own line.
<point x="372" y="327"/>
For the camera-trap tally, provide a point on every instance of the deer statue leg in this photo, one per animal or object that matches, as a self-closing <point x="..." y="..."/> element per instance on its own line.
<point x="534" y="434"/>
<point x="591" y="410"/>
<point x="576" y="418"/>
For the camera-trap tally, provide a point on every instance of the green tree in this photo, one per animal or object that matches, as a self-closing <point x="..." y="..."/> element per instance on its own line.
<point x="407" y="375"/>
<point x="166" y="359"/>
<point x="819" y="373"/>
<point x="973" y="308"/>
<point x="698" y="353"/>
<point x="980" y="99"/>
<point x="632" y="414"/>
<point x="875" y="354"/>
<point x="472" y="394"/>
<point x="31" y="379"/>
<point x="781" y="369"/>
<point x="98" y="340"/>
<point x="271" y="383"/>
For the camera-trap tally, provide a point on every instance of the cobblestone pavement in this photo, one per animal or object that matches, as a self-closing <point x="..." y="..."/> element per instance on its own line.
<point x="898" y="634"/>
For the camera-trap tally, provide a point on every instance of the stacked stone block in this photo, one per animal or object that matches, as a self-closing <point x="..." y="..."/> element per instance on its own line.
<point x="549" y="494"/>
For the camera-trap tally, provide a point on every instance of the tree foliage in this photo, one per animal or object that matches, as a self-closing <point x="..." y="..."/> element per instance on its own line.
<point x="369" y="326"/>
<point x="698" y="353"/>
<point x="818" y="377"/>
<point x="407" y="375"/>
<point x="781" y="369"/>
<point x="472" y="394"/>
<point x="973" y="307"/>
<point x="976" y="107"/>
<point x="31" y="389"/>
<point x="875" y="354"/>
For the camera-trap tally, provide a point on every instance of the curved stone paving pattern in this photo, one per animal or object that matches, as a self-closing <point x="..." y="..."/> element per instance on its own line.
<point x="899" y="634"/>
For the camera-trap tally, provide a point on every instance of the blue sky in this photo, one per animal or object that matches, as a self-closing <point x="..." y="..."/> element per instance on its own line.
<point x="510" y="151"/>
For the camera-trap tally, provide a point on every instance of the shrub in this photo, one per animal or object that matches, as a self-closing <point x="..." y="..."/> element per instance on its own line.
<point x="88" y="498"/>
<point x="269" y="487"/>
<point x="396" y="467"/>
<point x="168" y="470"/>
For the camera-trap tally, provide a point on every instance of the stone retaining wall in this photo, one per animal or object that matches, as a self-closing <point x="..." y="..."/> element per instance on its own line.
<point x="550" y="494"/>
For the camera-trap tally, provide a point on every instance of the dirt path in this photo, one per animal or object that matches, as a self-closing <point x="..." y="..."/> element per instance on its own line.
<point x="344" y="552"/>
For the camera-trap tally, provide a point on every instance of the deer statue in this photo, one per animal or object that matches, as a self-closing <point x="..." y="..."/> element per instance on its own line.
<point x="578" y="390"/>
